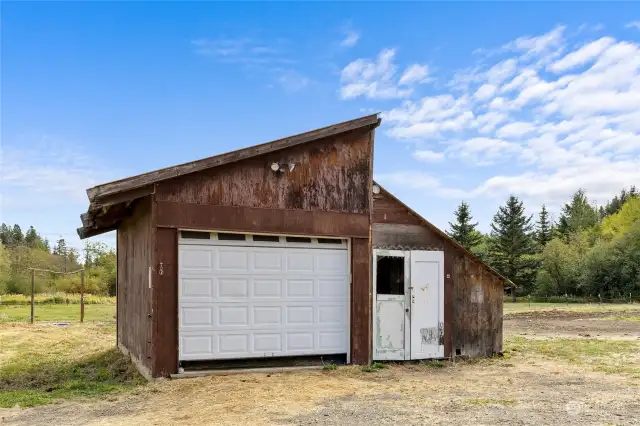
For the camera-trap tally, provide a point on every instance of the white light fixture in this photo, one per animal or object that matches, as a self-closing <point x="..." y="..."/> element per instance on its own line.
<point x="375" y="189"/>
<point x="275" y="166"/>
<point x="292" y="166"/>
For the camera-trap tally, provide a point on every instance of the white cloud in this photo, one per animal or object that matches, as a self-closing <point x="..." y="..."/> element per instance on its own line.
<point x="376" y="79"/>
<point x="428" y="156"/>
<point x="415" y="73"/>
<point x="633" y="24"/>
<point x="546" y="134"/>
<point x="350" y="39"/>
<point x="538" y="45"/>
<point x="583" y="55"/>
<point x="484" y="92"/>
<point x="372" y="79"/>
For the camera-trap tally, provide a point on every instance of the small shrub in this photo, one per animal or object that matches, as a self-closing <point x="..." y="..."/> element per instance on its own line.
<point x="330" y="367"/>
<point x="433" y="364"/>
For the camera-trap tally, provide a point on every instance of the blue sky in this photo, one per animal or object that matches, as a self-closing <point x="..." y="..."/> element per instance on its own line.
<point x="479" y="100"/>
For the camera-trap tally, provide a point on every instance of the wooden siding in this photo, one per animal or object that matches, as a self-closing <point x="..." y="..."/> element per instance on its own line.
<point x="471" y="326"/>
<point x="330" y="175"/>
<point x="361" y="326"/>
<point x="252" y="219"/>
<point x="477" y="309"/>
<point x="165" y="324"/>
<point x="328" y="193"/>
<point x="135" y="242"/>
<point x="388" y="210"/>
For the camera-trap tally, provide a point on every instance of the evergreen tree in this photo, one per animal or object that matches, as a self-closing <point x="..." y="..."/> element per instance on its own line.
<point x="577" y="215"/>
<point x="617" y="202"/>
<point x="463" y="231"/>
<point x="544" y="228"/>
<point x="511" y="246"/>
<point x="60" y="249"/>
<point x="5" y="235"/>
<point x="31" y="237"/>
<point x="17" y="236"/>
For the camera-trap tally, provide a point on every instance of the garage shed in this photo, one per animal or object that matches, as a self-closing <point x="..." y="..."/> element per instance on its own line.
<point x="286" y="251"/>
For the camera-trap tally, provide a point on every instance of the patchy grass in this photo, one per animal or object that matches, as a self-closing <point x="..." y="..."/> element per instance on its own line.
<point x="41" y="363"/>
<point x="55" y="299"/>
<point x="622" y="317"/>
<point x="71" y="312"/>
<point x="490" y="401"/>
<point x="510" y="308"/>
<point x="374" y="367"/>
<point x="433" y="364"/>
<point x="330" y="367"/>
<point x="607" y="356"/>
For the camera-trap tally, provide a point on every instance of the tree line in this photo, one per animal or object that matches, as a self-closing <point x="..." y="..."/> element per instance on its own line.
<point x="588" y="251"/>
<point x="21" y="250"/>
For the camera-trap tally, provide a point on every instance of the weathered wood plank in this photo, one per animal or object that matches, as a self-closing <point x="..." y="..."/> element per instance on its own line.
<point x="361" y="293"/>
<point x="145" y="179"/>
<point x="416" y="237"/>
<point x="165" y="291"/>
<point x="248" y="219"/>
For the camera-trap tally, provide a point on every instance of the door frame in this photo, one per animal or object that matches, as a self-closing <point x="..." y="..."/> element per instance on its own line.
<point x="406" y="255"/>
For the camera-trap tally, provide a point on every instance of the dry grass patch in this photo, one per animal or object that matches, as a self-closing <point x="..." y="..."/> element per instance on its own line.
<point x="40" y="363"/>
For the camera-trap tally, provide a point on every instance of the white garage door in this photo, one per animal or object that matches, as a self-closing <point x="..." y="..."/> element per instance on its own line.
<point x="242" y="298"/>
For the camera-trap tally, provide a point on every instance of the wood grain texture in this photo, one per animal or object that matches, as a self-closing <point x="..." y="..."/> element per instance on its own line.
<point x="404" y="237"/>
<point x="331" y="174"/>
<point x="247" y="219"/>
<point x="165" y="324"/>
<point x="477" y="309"/>
<point x="361" y="293"/>
<point x="135" y="245"/>
<point x="145" y="179"/>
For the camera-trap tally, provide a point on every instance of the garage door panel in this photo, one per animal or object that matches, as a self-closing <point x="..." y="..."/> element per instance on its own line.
<point x="195" y="258"/>
<point x="266" y="316"/>
<point x="270" y="288"/>
<point x="245" y="302"/>
<point x="300" y="288"/>
<point x="232" y="287"/>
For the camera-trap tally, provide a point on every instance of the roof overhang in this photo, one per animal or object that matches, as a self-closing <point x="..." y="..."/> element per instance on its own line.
<point x="111" y="202"/>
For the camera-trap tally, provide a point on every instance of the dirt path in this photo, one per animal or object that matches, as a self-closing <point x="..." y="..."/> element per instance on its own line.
<point x="619" y="325"/>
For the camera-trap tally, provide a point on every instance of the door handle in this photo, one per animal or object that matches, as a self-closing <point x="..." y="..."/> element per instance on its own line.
<point x="407" y="310"/>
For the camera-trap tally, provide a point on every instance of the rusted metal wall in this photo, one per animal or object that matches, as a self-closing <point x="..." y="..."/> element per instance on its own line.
<point x="135" y="246"/>
<point x="471" y="325"/>
<point x="329" y="174"/>
<point x="328" y="192"/>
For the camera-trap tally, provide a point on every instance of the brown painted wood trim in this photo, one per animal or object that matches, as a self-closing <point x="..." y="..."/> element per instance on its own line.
<point x="165" y="312"/>
<point x="449" y="258"/>
<point x="361" y="333"/>
<point x="253" y="219"/>
<point x="98" y="192"/>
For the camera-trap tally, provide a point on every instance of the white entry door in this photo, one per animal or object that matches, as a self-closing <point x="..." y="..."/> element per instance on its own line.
<point x="427" y="304"/>
<point x="408" y="304"/>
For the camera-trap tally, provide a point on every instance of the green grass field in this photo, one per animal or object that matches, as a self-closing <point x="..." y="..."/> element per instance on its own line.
<point x="53" y="313"/>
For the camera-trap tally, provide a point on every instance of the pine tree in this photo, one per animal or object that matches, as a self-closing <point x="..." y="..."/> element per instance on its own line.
<point x="5" y="235"/>
<point x="512" y="246"/>
<point x="31" y="237"/>
<point x="577" y="215"/>
<point x="17" y="236"/>
<point x="544" y="228"/>
<point x="463" y="231"/>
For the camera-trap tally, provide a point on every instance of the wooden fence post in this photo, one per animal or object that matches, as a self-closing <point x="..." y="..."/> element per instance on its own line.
<point x="33" y="290"/>
<point x="82" y="296"/>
